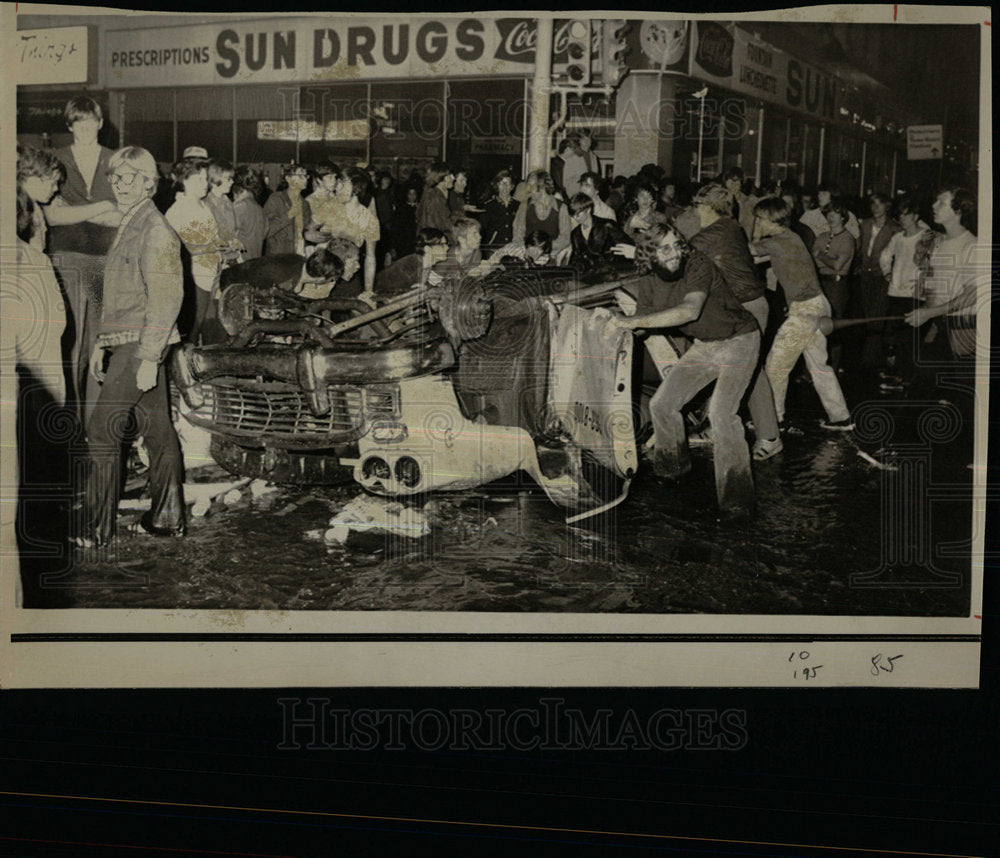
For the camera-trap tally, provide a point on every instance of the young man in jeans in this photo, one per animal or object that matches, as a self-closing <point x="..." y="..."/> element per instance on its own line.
<point x="685" y="290"/>
<point x="143" y="291"/>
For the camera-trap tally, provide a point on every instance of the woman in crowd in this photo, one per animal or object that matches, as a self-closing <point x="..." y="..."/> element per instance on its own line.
<point x="143" y="293"/>
<point x="322" y="201"/>
<point x="251" y="225"/>
<point x="193" y="221"/>
<point x="542" y="211"/>
<point x="352" y="216"/>
<point x="433" y="210"/>
<point x="641" y="212"/>
<point x="287" y="212"/>
<point x="220" y="183"/>
<point x="39" y="174"/>
<point x="500" y="211"/>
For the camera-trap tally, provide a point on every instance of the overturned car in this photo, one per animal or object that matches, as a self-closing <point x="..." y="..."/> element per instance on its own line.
<point x="444" y="387"/>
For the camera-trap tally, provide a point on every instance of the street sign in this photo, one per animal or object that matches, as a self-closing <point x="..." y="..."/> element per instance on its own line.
<point x="924" y="142"/>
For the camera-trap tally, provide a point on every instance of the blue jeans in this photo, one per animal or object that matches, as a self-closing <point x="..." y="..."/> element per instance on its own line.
<point x="731" y="364"/>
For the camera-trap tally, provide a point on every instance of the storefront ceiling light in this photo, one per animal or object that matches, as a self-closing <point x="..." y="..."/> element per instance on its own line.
<point x="596" y="122"/>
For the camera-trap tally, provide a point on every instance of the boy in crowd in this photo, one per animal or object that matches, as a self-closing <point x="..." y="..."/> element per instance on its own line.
<point x="799" y="334"/>
<point x="592" y="237"/>
<point x="589" y="183"/>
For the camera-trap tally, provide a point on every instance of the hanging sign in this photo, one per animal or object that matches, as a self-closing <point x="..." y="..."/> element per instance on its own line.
<point x="924" y="142"/>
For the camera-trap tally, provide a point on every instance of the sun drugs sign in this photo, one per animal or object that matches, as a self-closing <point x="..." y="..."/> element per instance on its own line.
<point x="318" y="49"/>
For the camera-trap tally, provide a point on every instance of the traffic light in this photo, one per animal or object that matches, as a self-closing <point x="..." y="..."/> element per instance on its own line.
<point x="613" y="66"/>
<point x="578" y="51"/>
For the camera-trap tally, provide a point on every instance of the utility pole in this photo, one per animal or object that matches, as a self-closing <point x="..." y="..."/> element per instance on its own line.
<point x="541" y="89"/>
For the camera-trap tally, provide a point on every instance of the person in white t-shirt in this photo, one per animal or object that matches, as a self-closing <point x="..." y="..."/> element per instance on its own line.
<point x="898" y="262"/>
<point x="816" y="220"/>
<point x="955" y="268"/>
<point x="577" y="160"/>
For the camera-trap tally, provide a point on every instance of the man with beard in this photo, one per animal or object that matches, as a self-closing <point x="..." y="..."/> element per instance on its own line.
<point x="721" y="239"/>
<point x="685" y="290"/>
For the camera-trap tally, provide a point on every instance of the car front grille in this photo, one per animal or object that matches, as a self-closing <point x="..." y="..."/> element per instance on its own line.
<point x="278" y="412"/>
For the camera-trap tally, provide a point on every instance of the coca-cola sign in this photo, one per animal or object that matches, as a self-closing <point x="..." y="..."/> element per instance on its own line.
<point x="519" y="36"/>
<point x="715" y="49"/>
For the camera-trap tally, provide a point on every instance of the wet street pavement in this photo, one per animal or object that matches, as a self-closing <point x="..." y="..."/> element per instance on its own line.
<point x="876" y="521"/>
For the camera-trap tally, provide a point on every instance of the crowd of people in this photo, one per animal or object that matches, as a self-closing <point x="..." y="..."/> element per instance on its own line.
<point x="749" y="278"/>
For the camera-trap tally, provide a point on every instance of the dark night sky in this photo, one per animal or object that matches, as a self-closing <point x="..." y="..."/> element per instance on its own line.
<point x="928" y="66"/>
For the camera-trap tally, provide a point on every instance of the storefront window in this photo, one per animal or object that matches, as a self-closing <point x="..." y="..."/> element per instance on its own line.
<point x="848" y="166"/>
<point x="409" y="126"/>
<point x="794" y="157"/>
<point x="149" y="122"/>
<point x="751" y="137"/>
<point x="205" y="118"/>
<point x="810" y="156"/>
<point x="775" y="165"/>
<point x="732" y="132"/>
<point x="878" y="168"/>
<point x="486" y="129"/>
<point x="267" y="104"/>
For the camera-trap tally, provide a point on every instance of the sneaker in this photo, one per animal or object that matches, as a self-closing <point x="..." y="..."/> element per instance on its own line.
<point x="845" y="425"/>
<point x="765" y="448"/>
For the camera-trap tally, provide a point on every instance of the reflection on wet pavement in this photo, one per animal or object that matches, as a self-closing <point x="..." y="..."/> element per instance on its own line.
<point x="846" y="524"/>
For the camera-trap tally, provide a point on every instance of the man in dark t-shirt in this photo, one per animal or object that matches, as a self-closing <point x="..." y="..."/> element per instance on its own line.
<point x="685" y="290"/>
<point x="720" y="238"/>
